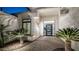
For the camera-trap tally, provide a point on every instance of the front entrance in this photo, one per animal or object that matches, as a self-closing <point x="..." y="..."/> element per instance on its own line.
<point x="48" y="30"/>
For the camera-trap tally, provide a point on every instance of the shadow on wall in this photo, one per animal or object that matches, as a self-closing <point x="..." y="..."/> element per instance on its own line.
<point x="10" y="20"/>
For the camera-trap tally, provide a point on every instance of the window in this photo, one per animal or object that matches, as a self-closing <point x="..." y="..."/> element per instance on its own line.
<point x="26" y="26"/>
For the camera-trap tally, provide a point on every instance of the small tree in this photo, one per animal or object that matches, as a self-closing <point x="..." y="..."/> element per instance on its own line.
<point x="68" y="34"/>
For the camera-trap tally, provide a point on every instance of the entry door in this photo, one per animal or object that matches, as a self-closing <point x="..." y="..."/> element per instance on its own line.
<point x="48" y="29"/>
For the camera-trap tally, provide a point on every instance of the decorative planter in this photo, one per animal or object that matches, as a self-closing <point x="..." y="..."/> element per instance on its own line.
<point x="75" y="45"/>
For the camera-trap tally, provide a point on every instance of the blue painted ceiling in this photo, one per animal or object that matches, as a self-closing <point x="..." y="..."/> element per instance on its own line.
<point x="14" y="10"/>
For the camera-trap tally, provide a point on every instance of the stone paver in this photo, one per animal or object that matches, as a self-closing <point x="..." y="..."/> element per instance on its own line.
<point x="43" y="44"/>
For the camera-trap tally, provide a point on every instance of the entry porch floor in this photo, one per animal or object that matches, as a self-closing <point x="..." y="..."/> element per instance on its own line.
<point x="45" y="43"/>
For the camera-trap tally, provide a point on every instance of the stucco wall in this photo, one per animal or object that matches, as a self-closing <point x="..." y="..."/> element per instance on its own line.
<point x="9" y="20"/>
<point x="70" y="20"/>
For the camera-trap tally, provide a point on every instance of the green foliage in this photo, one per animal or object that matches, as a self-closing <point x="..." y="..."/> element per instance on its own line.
<point x="2" y="28"/>
<point x="68" y="33"/>
<point x="17" y="32"/>
<point x="1" y="43"/>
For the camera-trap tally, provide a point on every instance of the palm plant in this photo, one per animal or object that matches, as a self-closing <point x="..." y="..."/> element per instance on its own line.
<point x="68" y="34"/>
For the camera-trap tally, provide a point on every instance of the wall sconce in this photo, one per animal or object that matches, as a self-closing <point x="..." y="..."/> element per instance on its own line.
<point x="64" y="10"/>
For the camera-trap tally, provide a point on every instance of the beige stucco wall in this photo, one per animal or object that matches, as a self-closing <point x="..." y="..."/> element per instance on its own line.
<point x="35" y="26"/>
<point x="70" y="20"/>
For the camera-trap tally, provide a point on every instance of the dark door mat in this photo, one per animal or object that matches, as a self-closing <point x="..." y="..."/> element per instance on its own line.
<point x="61" y="49"/>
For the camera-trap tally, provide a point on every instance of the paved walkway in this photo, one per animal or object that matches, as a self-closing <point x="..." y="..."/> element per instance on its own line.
<point x="43" y="44"/>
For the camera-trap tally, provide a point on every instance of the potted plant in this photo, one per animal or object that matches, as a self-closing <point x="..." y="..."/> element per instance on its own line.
<point x="68" y="34"/>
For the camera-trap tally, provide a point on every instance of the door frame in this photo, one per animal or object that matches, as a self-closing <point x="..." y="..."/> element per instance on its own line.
<point x="53" y="29"/>
<point x="50" y="30"/>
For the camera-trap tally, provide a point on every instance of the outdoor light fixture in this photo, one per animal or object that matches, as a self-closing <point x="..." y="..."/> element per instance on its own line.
<point x="64" y="10"/>
<point x="49" y="21"/>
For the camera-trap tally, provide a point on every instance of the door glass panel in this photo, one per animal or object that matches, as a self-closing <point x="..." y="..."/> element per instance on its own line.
<point x="48" y="29"/>
<point x="27" y="28"/>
